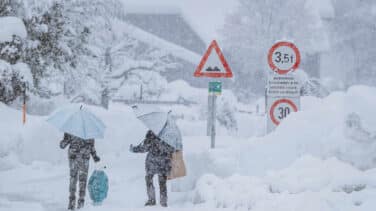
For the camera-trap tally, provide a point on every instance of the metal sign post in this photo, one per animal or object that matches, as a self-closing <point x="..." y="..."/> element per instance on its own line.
<point x="213" y="65"/>
<point x="215" y="89"/>
<point x="210" y="118"/>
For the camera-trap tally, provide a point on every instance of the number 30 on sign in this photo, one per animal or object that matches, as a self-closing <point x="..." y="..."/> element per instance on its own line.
<point x="280" y="109"/>
<point x="284" y="57"/>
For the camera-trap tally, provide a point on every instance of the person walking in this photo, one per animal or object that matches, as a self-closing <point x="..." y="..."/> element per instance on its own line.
<point x="158" y="162"/>
<point x="79" y="155"/>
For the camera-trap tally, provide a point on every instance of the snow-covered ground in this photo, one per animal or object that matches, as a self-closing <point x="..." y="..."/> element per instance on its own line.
<point x="308" y="163"/>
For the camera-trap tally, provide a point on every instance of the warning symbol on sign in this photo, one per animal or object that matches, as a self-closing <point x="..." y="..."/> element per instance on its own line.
<point x="280" y="109"/>
<point x="213" y="65"/>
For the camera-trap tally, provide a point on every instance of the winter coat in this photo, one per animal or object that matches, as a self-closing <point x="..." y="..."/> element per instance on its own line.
<point x="78" y="147"/>
<point x="158" y="159"/>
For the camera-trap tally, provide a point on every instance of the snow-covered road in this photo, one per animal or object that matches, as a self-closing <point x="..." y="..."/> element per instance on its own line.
<point x="44" y="186"/>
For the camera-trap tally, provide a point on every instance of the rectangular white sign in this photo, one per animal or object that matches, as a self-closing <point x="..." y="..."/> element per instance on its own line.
<point x="283" y="86"/>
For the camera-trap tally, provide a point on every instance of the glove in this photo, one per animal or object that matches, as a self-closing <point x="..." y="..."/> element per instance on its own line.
<point x="131" y="148"/>
<point x="96" y="158"/>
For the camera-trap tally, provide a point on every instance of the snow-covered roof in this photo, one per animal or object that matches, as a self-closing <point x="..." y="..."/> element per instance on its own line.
<point x="152" y="9"/>
<point x="205" y="17"/>
<point x="10" y="26"/>
<point x="172" y="27"/>
<point x="157" y="42"/>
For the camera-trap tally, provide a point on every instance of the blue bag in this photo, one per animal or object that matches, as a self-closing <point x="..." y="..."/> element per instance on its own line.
<point x="98" y="186"/>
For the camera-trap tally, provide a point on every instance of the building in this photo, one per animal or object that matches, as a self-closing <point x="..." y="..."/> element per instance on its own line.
<point x="169" y="28"/>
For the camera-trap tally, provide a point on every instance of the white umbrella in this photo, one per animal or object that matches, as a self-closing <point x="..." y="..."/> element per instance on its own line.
<point x="153" y="118"/>
<point x="78" y="122"/>
<point x="161" y="124"/>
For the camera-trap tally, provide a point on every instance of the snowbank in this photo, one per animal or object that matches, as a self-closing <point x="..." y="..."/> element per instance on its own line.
<point x="33" y="141"/>
<point x="11" y="26"/>
<point x="309" y="184"/>
<point x="318" y="130"/>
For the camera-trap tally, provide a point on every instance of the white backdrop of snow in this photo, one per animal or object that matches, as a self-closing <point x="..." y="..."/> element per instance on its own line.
<point x="306" y="164"/>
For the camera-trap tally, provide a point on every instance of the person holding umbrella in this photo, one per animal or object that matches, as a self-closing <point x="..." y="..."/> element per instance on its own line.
<point x="160" y="149"/>
<point x="80" y="128"/>
<point x="79" y="155"/>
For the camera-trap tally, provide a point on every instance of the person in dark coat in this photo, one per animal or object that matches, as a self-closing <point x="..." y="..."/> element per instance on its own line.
<point x="158" y="161"/>
<point x="79" y="155"/>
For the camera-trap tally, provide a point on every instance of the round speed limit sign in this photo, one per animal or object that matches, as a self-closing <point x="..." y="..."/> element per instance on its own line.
<point x="284" y="57"/>
<point x="281" y="109"/>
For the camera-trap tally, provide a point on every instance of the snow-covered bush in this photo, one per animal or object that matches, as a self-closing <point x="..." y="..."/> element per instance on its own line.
<point x="226" y="113"/>
<point x="12" y="34"/>
<point x="148" y="84"/>
<point x="14" y="80"/>
<point x="11" y="51"/>
<point x="313" y="87"/>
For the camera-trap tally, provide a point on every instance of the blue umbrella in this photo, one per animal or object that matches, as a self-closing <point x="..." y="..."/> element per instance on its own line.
<point x="78" y="122"/>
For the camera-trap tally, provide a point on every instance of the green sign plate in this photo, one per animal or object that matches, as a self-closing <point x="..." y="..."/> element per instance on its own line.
<point x="215" y="88"/>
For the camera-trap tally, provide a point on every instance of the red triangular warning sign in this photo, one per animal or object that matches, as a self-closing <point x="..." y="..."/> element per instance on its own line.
<point x="213" y="65"/>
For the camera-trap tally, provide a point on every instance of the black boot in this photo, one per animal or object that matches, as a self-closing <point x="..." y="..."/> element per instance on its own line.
<point x="150" y="203"/>
<point x="72" y="203"/>
<point x="150" y="190"/>
<point x="163" y="204"/>
<point x="81" y="203"/>
<point x="163" y="190"/>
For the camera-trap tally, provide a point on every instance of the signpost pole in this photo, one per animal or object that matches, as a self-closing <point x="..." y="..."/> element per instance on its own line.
<point x="213" y="110"/>
<point x="214" y="89"/>
<point x="209" y="120"/>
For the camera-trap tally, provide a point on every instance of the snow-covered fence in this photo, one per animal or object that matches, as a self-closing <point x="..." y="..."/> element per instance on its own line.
<point x="155" y="102"/>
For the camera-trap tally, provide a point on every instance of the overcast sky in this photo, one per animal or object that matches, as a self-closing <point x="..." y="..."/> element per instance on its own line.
<point x="206" y="16"/>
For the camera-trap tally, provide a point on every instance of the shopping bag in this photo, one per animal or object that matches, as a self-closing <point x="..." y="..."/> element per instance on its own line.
<point x="98" y="186"/>
<point x="177" y="166"/>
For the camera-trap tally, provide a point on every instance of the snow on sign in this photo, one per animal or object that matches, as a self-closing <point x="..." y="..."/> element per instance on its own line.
<point x="213" y="65"/>
<point x="284" y="57"/>
<point x="280" y="109"/>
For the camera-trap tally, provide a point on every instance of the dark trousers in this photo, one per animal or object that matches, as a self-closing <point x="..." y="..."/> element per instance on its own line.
<point x="78" y="173"/>
<point x="162" y="188"/>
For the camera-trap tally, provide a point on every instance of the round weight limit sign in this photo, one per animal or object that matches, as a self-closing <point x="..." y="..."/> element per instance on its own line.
<point x="284" y="57"/>
<point x="281" y="109"/>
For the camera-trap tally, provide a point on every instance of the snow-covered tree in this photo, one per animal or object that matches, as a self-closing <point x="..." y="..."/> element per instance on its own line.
<point x="48" y="51"/>
<point x="253" y="28"/>
<point x="11" y="51"/>
<point x="14" y="80"/>
<point x="226" y="114"/>
<point x="116" y="60"/>
<point x="14" y="77"/>
<point x="85" y="50"/>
